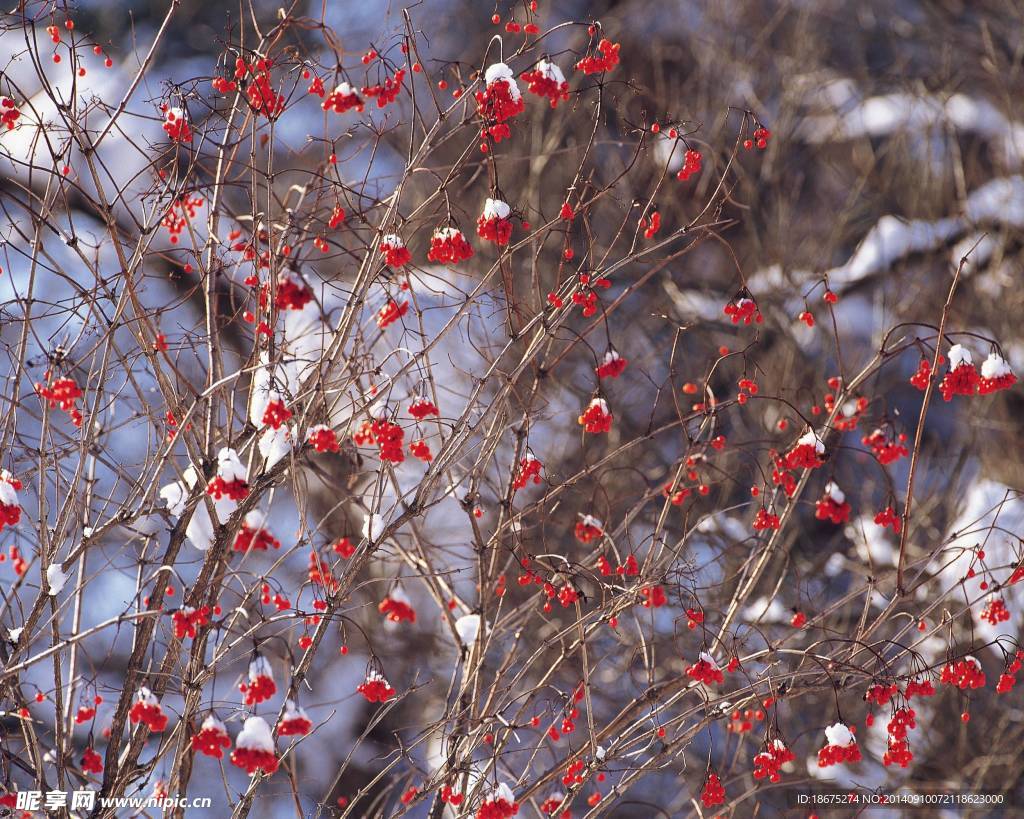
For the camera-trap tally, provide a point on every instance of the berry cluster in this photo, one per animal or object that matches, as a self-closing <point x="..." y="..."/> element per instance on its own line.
<point x="596" y="418"/>
<point x="449" y="246"/>
<point x="654" y="597"/>
<point x="494" y="224"/>
<point x="9" y="113"/>
<point x="529" y="470"/>
<point x="588" y="529"/>
<point x="375" y="688"/>
<point x="343" y="98"/>
<point x="146" y="709"/>
<point x="422" y="407"/>
<point x="612" y="366"/>
<point x="964" y="673"/>
<point x="253" y="535"/>
<point x="547" y="80"/>
<point x="395" y="253"/>
<point x="833" y="505"/>
<point x="212" y="738"/>
<point x="604" y="59"/>
<point x="995" y="611"/>
<point x="499" y="804"/>
<point x="705" y="670"/>
<point x="692" y="161"/>
<point x="391" y="312"/>
<point x="713" y="792"/>
<point x="176" y="125"/>
<point x="768" y="763"/>
<point x="323" y="438"/>
<point x="885" y="448"/>
<point x="743" y="309"/>
<point x="397" y="608"/>
<point x="187" y="619"/>
<point x="386" y="92"/>
<point x="63" y="392"/>
<point x="388" y="437"/>
<point x="889" y="517"/>
<point x="294" y="722"/>
<point x="260" y="686"/>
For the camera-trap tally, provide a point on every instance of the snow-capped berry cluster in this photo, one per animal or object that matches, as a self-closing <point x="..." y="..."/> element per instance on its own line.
<point x="323" y="438"/>
<point x="295" y="722"/>
<point x="253" y="534"/>
<point x="529" y="470"/>
<point x="806" y="453"/>
<point x="768" y="763"/>
<point x="10" y="507"/>
<point x="449" y="246"/>
<point x="147" y="710"/>
<point x="394" y="251"/>
<point x="612" y="366"/>
<point x="260" y="686"/>
<point x="342" y="99"/>
<point x="841" y="746"/>
<point x="832" y="505"/>
<point x="547" y="80"/>
<point x="596" y="418"/>
<point x="705" y="670"/>
<point x="176" y="125"/>
<point x="964" y="673"/>
<point x="963" y="378"/>
<point x="397" y="607"/>
<point x="886" y="449"/>
<point x="498" y="103"/>
<point x="292" y="292"/>
<point x="375" y="688"/>
<point x="995" y="375"/>
<point x="588" y="529"/>
<point x="212" y="738"/>
<point x="254" y="748"/>
<point x="494" y="223"/>
<point x="500" y="803"/>
<point x="229" y="485"/>
<point x="188" y="619"/>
